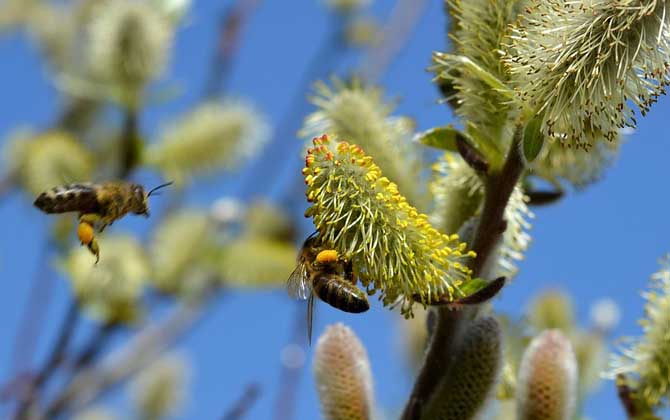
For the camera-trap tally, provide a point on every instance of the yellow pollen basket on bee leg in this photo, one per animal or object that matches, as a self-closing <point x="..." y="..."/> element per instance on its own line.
<point x="327" y="256"/>
<point x="86" y="235"/>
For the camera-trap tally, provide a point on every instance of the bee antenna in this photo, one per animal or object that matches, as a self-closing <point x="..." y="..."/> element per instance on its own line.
<point x="153" y="190"/>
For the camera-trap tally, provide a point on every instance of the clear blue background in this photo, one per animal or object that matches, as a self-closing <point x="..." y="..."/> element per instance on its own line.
<point x="603" y="242"/>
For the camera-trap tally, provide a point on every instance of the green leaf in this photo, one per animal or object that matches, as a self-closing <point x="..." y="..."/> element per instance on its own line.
<point x="443" y="138"/>
<point x="533" y="139"/>
<point x="478" y="290"/>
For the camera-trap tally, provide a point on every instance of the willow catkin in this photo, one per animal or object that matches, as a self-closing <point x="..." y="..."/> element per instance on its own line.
<point x="475" y="370"/>
<point x="547" y="386"/>
<point x="343" y="376"/>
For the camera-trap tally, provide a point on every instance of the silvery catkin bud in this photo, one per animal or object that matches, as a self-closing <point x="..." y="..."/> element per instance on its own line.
<point x="547" y="384"/>
<point x="466" y="388"/>
<point x="343" y="376"/>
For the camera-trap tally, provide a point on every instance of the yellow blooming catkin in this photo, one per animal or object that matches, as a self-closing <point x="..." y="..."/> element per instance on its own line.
<point x="358" y="112"/>
<point x="393" y="247"/>
<point x="646" y="360"/>
<point x="343" y="376"/>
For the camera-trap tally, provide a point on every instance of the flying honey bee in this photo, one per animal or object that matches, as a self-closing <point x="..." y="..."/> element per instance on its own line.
<point x="324" y="273"/>
<point x="100" y="204"/>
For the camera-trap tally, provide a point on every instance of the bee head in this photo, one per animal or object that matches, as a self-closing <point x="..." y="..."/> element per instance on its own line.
<point x="140" y="200"/>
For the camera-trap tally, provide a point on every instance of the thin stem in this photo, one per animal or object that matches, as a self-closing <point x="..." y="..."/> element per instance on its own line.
<point x="94" y="346"/>
<point x="53" y="361"/>
<point x="498" y="190"/>
<point x="129" y="142"/>
<point x="227" y="43"/>
<point x="94" y="381"/>
<point x="321" y="63"/>
<point x="244" y="403"/>
<point x="625" y="394"/>
<point x="405" y="17"/>
<point x="7" y="184"/>
<point x="450" y="323"/>
<point x="32" y="317"/>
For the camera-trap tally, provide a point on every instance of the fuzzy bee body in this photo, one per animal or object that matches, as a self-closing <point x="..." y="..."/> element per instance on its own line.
<point x="340" y="293"/>
<point x="322" y="272"/>
<point x="100" y="204"/>
<point x="108" y="201"/>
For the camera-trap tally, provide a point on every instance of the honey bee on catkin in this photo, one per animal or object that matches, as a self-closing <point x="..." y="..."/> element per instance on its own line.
<point x="97" y="204"/>
<point x="323" y="272"/>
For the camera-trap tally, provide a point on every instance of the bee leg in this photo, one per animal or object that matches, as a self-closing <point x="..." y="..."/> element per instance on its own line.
<point x="349" y="271"/>
<point x="90" y="218"/>
<point x="95" y="249"/>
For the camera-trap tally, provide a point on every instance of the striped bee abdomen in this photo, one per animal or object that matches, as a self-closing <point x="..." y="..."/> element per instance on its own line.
<point x="340" y="293"/>
<point x="81" y="198"/>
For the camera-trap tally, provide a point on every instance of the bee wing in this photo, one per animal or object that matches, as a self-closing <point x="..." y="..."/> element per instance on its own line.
<point x="310" y="315"/>
<point x="298" y="283"/>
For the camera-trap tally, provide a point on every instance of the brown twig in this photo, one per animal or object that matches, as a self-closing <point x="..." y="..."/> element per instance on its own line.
<point x="30" y="322"/>
<point x="95" y="344"/>
<point x="129" y="142"/>
<point x="56" y="355"/>
<point x="450" y="324"/>
<point x="7" y="184"/>
<point x="625" y="394"/>
<point x="230" y="27"/>
<point x="404" y="19"/>
<point x="92" y="382"/>
<point x="244" y="403"/>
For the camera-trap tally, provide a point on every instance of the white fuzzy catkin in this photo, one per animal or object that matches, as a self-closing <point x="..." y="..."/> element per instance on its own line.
<point x="343" y="375"/>
<point x="547" y="384"/>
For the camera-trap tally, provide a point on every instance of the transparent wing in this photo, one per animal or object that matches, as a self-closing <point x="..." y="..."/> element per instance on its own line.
<point x="298" y="283"/>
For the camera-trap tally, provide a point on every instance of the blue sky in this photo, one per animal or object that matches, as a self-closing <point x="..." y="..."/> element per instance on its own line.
<point x="602" y="242"/>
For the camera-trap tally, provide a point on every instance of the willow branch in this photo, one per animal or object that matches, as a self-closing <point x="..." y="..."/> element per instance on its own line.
<point x="404" y="19"/>
<point x="227" y="45"/>
<point x="129" y="142"/>
<point x="625" y="394"/>
<point x="450" y="323"/>
<point x="53" y="361"/>
<point x="244" y="403"/>
<point x="94" y="346"/>
<point x="91" y="383"/>
<point x="32" y="317"/>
